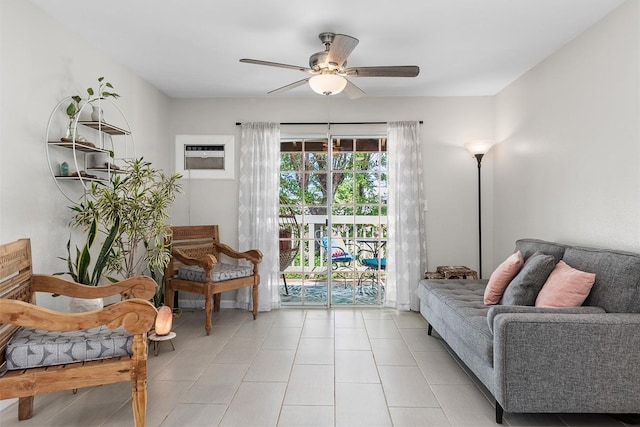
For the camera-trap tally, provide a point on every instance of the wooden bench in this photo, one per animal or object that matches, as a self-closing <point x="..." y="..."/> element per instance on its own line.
<point x="18" y="286"/>
<point x="199" y="246"/>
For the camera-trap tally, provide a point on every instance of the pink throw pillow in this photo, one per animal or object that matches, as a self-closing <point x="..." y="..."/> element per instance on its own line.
<point x="501" y="277"/>
<point x="565" y="287"/>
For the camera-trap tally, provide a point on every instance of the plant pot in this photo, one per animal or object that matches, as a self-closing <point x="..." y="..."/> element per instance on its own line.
<point x="70" y="128"/>
<point x="80" y="305"/>
<point x="96" y="113"/>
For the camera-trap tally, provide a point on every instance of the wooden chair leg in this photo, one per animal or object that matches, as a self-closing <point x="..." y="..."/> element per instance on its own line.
<point x="168" y="297"/>
<point x="25" y="408"/>
<point x="139" y="380"/>
<point x="216" y="302"/>
<point x="208" y="307"/>
<point x="139" y="401"/>
<point x="255" y="301"/>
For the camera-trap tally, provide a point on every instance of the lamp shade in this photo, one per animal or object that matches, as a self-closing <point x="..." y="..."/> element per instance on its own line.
<point x="327" y="84"/>
<point x="164" y="320"/>
<point x="478" y="146"/>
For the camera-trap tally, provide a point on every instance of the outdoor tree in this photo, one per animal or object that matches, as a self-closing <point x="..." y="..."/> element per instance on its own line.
<point x="358" y="179"/>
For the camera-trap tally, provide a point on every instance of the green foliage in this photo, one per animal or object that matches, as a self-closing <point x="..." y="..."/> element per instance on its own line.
<point x="102" y="93"/>
<point x="76" y="101"/>
<point x="140" y="199"/>
<point x="358" y="187"/>
<point x="79" y="268"/>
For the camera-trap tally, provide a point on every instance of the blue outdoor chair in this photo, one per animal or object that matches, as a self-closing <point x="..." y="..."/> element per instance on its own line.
<point x="374" y="263"/>
<point x="338" y="251"/>
<point x="373" y="266"/>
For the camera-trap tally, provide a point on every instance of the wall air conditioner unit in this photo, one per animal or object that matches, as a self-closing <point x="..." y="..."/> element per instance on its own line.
<point x="205" y="156"/>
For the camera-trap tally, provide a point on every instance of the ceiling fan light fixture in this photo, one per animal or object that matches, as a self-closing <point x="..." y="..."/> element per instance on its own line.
<point x="327" y="84"/>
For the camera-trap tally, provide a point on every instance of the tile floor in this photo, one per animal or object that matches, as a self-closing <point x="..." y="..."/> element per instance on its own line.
<point x="295" y="367"/>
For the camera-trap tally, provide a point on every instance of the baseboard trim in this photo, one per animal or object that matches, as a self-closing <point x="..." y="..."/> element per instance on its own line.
<point x="199" y="304"/>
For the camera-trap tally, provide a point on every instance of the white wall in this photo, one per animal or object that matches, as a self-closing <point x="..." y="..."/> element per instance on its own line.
<point x="41" y="62"/>
<point x="450" y="172"/>
<point x="568" y="165"/>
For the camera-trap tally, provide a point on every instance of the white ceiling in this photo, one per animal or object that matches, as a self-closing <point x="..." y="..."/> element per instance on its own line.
<point x="191" y="48"/>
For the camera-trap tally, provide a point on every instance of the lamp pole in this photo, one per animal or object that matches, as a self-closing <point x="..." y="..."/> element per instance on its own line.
<point x="478" y="149"/>
<point x="479" y="159"/>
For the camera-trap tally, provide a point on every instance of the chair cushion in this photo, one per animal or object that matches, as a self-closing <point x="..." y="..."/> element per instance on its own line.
<point x="33" y="348"/>
<point x="373" y="263"/>
<point x="220" y="273"/>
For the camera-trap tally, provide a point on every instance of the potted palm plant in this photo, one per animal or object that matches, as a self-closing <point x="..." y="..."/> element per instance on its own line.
<point x="139" y="199"/>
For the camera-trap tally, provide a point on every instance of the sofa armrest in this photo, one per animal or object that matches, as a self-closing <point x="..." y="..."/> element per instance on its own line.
<point x="547" y="362"/>
<point x="135" y="315"/>
<point x="135" y="287"/>
<point x="501" y="309"/>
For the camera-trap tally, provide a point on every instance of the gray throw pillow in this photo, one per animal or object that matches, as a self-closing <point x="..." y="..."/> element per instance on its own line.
<point x="524" y="288"/>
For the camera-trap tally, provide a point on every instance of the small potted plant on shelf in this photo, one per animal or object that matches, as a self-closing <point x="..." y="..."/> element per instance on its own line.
<point x="72" y="110"/>
<point x="140" y="198"/>
<point x="103" y="91"/>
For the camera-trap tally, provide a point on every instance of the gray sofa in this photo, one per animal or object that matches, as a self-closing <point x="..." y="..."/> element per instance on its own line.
<point x="549" y="360"/>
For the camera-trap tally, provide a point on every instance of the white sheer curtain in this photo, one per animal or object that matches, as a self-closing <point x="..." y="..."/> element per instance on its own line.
<point x="258" y="208"/>
<point x="406" y="248"/>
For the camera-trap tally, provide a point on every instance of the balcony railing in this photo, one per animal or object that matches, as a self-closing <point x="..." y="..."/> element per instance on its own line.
<point x="362" y="234"/>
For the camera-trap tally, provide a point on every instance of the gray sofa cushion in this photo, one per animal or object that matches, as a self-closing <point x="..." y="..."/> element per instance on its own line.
<point x="220" y="273"/>
<point x="33" y="348"/>
<point x="617" y="286"/>
<point x="530" y="246"/>
<point x="524" y="288"/>
<point x="459" y="305"/>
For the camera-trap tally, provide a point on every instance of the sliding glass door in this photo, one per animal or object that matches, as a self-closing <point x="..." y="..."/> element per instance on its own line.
<point x="333" y="221"/>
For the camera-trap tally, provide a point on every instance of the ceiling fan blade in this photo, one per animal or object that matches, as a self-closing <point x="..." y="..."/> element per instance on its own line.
<point x="277" y="64"/>
<point x="289" y="86"/>
<point x="388" y="71"/>
<point x="340" y="48"/>
<point x="352" y="91"/>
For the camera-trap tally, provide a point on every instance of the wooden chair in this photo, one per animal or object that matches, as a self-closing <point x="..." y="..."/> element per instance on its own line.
<point x="18" y="286"/>
<point x="195" y="267"/>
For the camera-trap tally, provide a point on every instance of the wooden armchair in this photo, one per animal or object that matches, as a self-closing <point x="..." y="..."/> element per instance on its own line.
<point x="195" y="267"/>
<point x="28" y="375"/>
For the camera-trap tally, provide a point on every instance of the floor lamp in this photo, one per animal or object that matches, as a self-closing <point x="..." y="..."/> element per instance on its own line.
<point x="478" y="149"/>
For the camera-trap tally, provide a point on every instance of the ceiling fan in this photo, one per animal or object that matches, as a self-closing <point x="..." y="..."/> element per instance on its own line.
<point x="328" y="68"/>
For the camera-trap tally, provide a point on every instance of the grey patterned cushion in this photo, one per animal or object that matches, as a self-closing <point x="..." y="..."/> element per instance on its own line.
<point x="220" y="273"/>
<point x="33" y="348"/>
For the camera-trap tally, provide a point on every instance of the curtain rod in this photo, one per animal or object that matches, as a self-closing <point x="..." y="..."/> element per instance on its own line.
<point x="330" y="123"/>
